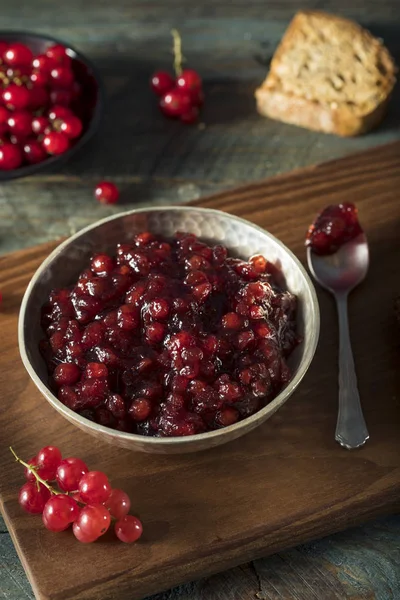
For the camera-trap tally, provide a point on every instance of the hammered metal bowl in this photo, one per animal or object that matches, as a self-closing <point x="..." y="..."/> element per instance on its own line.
<point x="243" y="239"/>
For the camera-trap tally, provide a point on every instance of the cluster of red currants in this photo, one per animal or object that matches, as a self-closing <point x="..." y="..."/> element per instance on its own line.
<point x="36" y="95"/>
<point x="180" y="97"/>
<point x="84" y="499"/>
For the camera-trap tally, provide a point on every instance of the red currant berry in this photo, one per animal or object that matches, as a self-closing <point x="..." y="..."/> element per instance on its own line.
<point x="118" y="503"/>
<point x="61" y="77"/>
<point x="71" y="126"/>
<point x="58" y="53"/>
<point x="189" y="80"/>
<point x="94" y="487"/>
<point x="10" y="157"/>
<point x="162" y="82"/>
<point x="61" y="96"/>
<point x="128" y="529"/>
<point x="59" y="112"/>
<point x="40" y="125"/>
<point x="33" y="152"/>
<point x="29" y="475"/>
<point x="20" y="123"/>
<point x="175" y="103"/>
<point x="4" y="115"/>
<point x="15" y="96"/>
<point x="18" y="54"/>
<point x="39" y="98"/>
<point x="191" y="116"/>
<point x="48" y="460"/>
<point x="40" y="78"/>
<point x="33" y="498"/>
<point x="81" y="535"/>
<point x="3" y="49"/>
<point x="94" y="520"/>
<point x="140" y="409"/>
<point x="106" y="192"/>
<point x="59" y="512"/>
<point x="43" y="64"/>
<point x="69" y="473"/>
<point x="197" y="97"/>
<point x="55" y="142"/>
<point x="66" y="374"/>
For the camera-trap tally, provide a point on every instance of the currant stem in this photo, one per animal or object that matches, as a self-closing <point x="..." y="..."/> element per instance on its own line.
<point x="177" y="50"/>
<point x="33" y="470"/>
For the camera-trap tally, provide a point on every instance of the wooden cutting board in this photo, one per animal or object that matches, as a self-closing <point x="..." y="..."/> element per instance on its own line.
<point x="285" y="483"/>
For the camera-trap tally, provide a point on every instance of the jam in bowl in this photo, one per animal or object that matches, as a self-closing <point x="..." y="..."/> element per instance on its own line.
<point x="164" y="341"/>
<point x="170" y="337"/>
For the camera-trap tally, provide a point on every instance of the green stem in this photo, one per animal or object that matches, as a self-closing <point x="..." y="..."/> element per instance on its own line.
<point x="177" y="50"/>
<point x="33" y="470"/>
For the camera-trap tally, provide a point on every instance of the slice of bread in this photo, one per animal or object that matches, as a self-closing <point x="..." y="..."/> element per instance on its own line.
<point x="328" y="74"/>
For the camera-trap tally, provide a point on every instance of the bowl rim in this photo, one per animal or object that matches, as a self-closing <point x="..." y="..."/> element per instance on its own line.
<point x="29" y="170"/>
<point x="169" y="441"/>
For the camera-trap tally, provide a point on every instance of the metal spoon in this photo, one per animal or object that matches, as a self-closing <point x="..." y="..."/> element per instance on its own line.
<point x="340" y="273"/>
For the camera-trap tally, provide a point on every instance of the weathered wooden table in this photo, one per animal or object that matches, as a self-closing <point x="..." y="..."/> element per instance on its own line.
<point x="158" y="161"/>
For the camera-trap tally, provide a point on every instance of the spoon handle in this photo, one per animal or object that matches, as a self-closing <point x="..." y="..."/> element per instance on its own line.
<point x="351" y="430"/>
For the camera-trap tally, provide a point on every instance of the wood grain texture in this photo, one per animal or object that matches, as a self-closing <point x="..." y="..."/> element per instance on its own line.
<point x="155" y="160"/>
<point x="286" y="483"/>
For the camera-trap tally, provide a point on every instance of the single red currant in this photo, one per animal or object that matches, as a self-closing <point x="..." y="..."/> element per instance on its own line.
<point x="118" y="503"/>
<point x="15" y="96"/>
<point x="140" y="409"/>
<point x="58" y="54"/>
<point x="3" y="49"/>
<point x="59" y="112"/>
<point x="189" y="80"/>
<point x="48" y="460"/>
<point x="33" y="497"/>
<point x="162" y="82"/>
<point x="10" y="157"/>
<point x="94" y="520"/>
<point x="197" y="97"/>
<point x="40" y="78"/>
<point x="18" y="54"/>
<point x="59" y="512"/>
<point x="81" y="535"/>
<point x="175" y="103"/>
<point x="191" y="116"/>
<point x="61" y="77"/>
<point x="66" y="374"/>
<point x="69" y="473"/>
<point x="20" y="123"/>
<point x="4" y="115"/>
<point x="106" y="192"/>
<point x="33" y="152"/>
<point x="128" y="529"/>
<point x="39" y="97"/>
<point x="71" y="126"/>
<point x="40" y="125"/>
<point x="55" y="142"/>
<point x="61" y="96"/>
<point x="43" y="63"/>
<point x="94" y="487"/>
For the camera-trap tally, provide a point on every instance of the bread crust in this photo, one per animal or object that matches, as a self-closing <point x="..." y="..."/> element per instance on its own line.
<point x="336" y="117"/>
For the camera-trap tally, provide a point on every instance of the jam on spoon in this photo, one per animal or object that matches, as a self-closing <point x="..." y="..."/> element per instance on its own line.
<point x="336" y="225"/>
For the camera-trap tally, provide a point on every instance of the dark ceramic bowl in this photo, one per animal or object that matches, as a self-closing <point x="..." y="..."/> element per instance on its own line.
<point x="86" y="74"/>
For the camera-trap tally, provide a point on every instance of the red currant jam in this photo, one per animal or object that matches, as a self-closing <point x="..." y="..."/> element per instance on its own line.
<point x="334" y="226"/>
<point x="170" y="337"/>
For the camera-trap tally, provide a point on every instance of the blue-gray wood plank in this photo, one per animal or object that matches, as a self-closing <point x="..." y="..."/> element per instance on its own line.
<point x="158" y="161"/>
